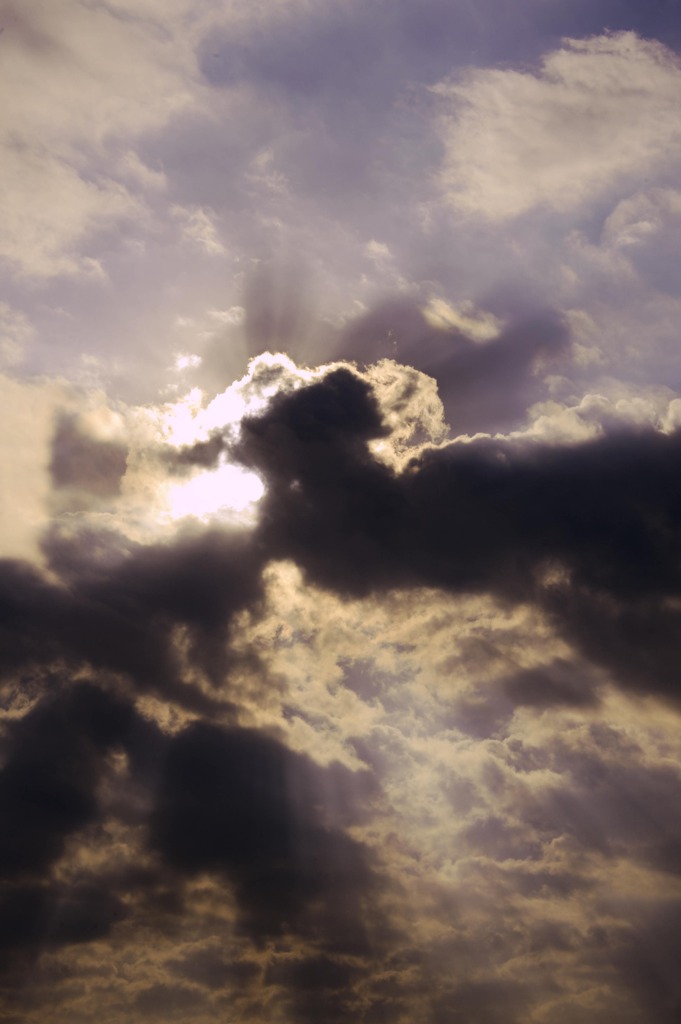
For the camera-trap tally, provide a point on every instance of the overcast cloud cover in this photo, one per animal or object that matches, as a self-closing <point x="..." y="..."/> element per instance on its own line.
<point x="340" y="506"/>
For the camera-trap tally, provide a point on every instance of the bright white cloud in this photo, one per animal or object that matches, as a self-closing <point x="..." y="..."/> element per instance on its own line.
<point x="597" y="111"/>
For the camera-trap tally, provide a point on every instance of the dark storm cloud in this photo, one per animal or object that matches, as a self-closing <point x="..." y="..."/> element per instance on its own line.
<point x="237" y="802"/>
<point x="53" y="760"/>
<point x="48" y="781"/>
<point x="589" y="531"/>
<point x="113" y="613"/>
<point x="233" y="802"/>
<point x="230" y="802"/>
<point x="330" y="506"/>
<point x="120" y="603"/>
<point x="43" y="624"/>
<point x="34" y="917"/>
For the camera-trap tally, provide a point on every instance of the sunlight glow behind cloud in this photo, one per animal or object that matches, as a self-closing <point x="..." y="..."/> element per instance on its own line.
<point x="225" y="490"/>
<point x="340" y="512"/>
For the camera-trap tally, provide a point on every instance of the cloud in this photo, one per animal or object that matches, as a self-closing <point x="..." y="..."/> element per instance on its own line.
<point x="15" y="331"/>
<point x="48" y="782"/>
<point x="43" y="917"/>
<point x="199" y="228"/>
<point x="586" y="530"/>
<point x="76" y="103"/>
<point x="643" y="230"/>
<point x="53" y="211"/>
<point x="237" y="801"/>
<point x="599" y="113"/>
<point x="319" y="759"/>
<point x="228" y="801"/>
<point x="484" y="384"/>
<point x="86" y="463"/>
<point x="476" y="324"/>
<point x="28" y="413"/>
<point x="120" y="612"/>
<point x="559" y="683"/>
<point x="403" y="744"/>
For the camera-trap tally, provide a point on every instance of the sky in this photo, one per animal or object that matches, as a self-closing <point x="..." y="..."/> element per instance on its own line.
<point x="340" y="505"/>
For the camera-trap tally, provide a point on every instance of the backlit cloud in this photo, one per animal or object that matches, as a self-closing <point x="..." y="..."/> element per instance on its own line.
<point x="256" y="735"/>
<point x="340" y="557"/>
